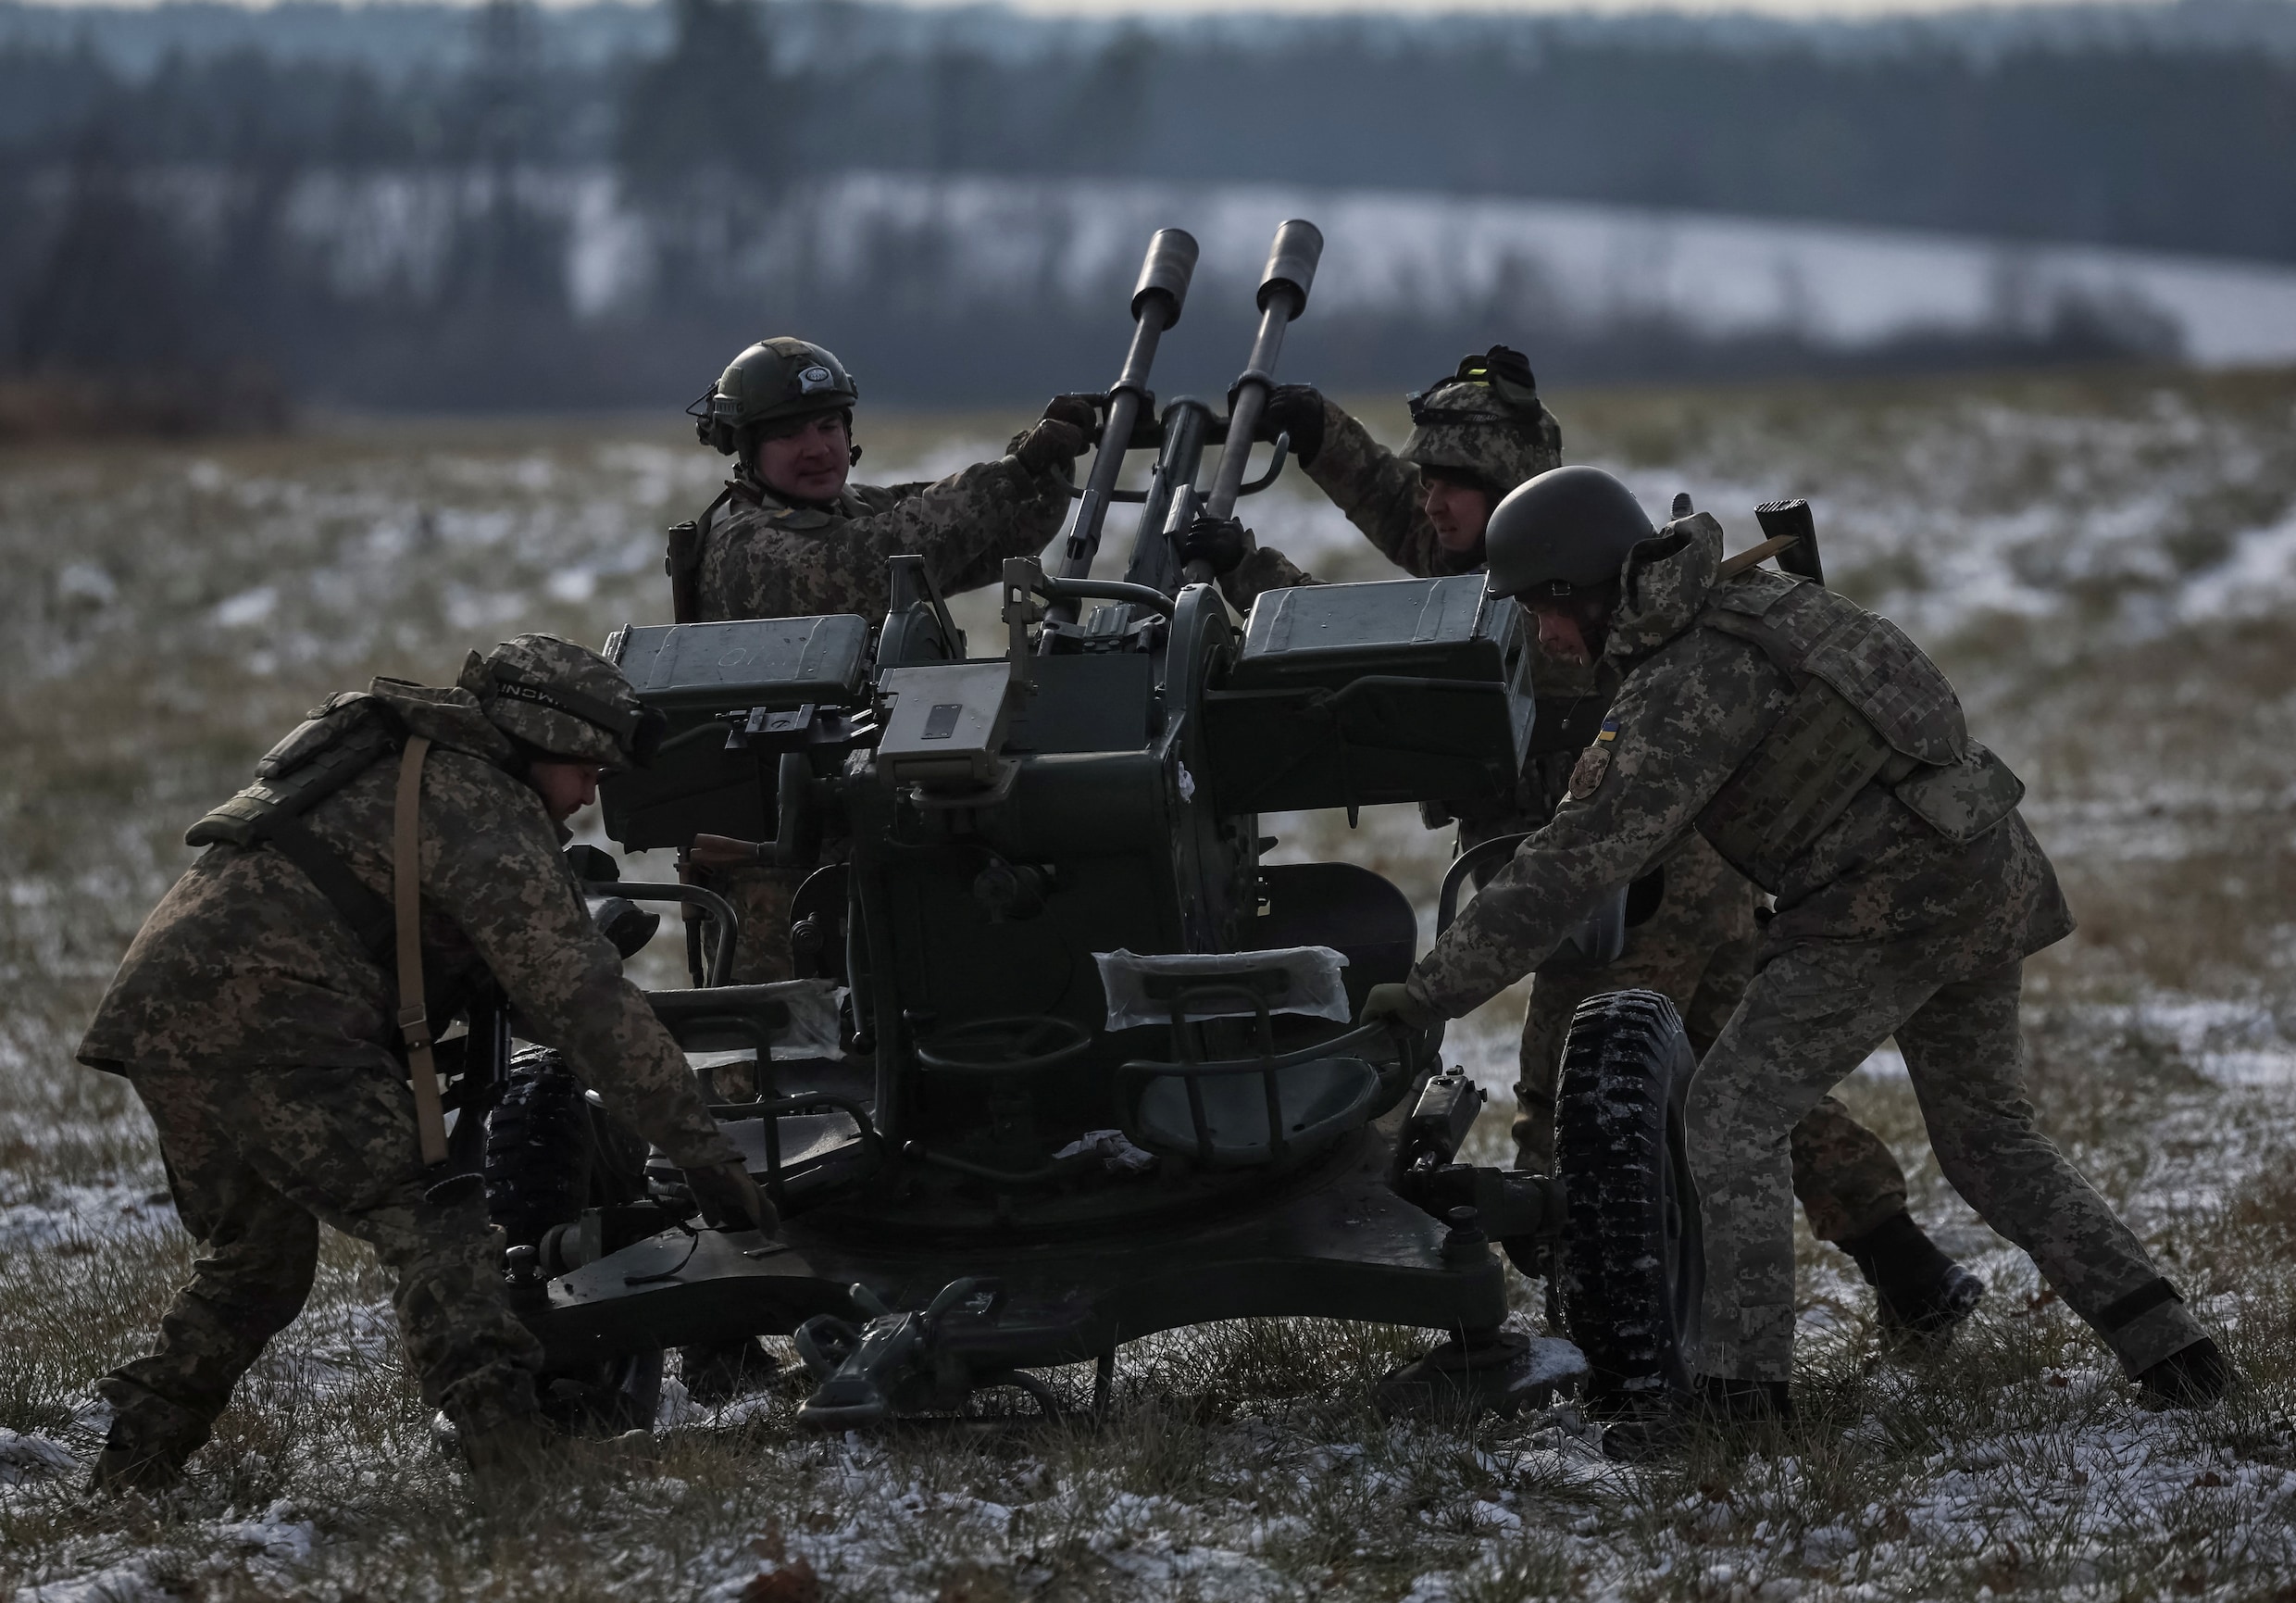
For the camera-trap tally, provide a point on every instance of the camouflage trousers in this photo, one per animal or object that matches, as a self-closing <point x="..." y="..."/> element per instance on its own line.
<point x="1697" y="951"/>
<point x="1809" y="1017"/>
<point x="256" y="1162"/>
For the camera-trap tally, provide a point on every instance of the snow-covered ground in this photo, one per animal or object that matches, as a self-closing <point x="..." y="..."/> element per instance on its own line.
<point x="2102" y="564"/>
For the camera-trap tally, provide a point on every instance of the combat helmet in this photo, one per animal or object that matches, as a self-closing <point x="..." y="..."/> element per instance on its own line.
<point x="1484" y="424"/>
<point x="1567" y="531"/>
<point x="775" y="381"/>
<point x="564" y="701"/>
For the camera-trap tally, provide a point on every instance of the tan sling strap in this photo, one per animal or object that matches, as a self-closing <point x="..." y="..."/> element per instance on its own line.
<point x="406" y="899"/>
<point x="1753" y="555"/>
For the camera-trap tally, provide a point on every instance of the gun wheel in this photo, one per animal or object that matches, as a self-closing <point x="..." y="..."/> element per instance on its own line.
<point x="1631" y="1258"/>
<point x="550" y="1155"/>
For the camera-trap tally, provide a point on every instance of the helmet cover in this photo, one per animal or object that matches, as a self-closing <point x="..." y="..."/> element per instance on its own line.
<point x="563" y="700"/>
<point x="1484" y="424"/>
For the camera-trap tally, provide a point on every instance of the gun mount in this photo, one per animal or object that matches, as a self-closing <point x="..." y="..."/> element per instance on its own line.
<point x="1095" y="1076"/>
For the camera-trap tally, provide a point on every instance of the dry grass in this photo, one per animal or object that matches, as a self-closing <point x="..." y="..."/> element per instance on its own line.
<point x="144" y="668"/>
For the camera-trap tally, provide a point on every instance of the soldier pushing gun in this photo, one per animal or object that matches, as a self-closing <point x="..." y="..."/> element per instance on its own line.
<point x="1476" y="434"/>
<point x="1824" y="757"/>
<point x="398" y="849"/>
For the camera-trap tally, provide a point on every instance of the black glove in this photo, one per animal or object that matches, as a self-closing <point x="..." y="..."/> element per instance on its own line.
<point x="1296" y="410"/>
<point x="1218" y="543"/>
<point x="1053" y="444"/>
<point x="731" y="1199"/>
<point x="1081" y="412"/>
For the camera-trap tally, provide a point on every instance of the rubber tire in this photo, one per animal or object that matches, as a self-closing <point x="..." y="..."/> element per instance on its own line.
<point x="1632" y="1259"/>
<point x="538" y="1147"/>
<point x="549" y="1155"/>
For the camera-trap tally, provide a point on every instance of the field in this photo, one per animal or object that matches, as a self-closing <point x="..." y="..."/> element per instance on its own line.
<point x="2106" y="564"/>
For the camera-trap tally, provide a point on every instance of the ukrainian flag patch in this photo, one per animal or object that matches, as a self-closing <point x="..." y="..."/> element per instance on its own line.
<point x="1610" y="731"/>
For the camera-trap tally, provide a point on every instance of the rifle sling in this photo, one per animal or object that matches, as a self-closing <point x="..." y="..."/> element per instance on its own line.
<point x="1753" y="555"/>
<point x="407" y="896"/>
<point x="368" y="914"/>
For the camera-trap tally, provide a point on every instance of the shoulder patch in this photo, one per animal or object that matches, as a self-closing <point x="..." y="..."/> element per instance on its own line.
<point x="1586" y="775"/>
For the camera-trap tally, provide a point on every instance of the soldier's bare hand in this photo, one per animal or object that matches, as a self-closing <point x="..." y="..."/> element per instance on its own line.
<point x="731" y="1199"/>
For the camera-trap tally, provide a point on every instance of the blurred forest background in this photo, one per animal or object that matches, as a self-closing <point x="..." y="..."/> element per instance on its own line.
<point x="212" y="217"/>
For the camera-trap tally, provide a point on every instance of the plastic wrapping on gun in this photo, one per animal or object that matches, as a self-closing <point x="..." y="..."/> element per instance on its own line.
<point x="1306" y="980"/>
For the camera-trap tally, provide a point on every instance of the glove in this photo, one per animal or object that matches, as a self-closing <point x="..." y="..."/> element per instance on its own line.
<point x="731" y="1199"/>
<point x="1397" y="1008"/>
<point x="1053" y="444"/>
<point x="1218" y="543"/>
<point x="1080" y="412"/>
<point x="1296" y="410"/>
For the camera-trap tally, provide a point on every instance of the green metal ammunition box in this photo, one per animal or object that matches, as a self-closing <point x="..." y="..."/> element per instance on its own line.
<point x="695" y="673"/>
<point x="1353" y="695"/>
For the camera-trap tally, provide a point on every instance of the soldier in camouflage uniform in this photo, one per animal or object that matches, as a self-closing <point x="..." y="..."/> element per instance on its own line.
<point x="791" y="537"/>
<point x="257" y="1013"/>
<point x="1825" y="757"/>
<point x="1475" y="436"/>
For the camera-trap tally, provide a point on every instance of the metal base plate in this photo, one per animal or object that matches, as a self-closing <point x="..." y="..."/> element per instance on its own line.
<point x="1339" y="1244"/>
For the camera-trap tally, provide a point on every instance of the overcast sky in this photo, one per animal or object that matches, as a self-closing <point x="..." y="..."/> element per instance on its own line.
<point x="1833" y="9"/>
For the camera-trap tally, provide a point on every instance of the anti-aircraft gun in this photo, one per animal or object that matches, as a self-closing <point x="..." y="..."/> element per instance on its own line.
<point x="1094" y="1074"/>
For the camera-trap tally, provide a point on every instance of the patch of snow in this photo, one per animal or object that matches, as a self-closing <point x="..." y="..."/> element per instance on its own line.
<point x="247" y="606"/>
<point x="32" y="1458"/>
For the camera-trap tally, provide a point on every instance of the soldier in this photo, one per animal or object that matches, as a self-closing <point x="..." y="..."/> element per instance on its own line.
<point x="790" y="537"/>
<point x="1825" y="757"/>
<point x="263" y="1015"/>
<point x="1475" y="436"/>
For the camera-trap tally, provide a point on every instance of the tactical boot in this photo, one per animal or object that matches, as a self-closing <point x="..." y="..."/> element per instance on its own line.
<point x="149" y="1439"/>
<point x="1919" y="1293"/>
<point x="506" y="1455"/>
<point x="124" y="1467"/>
<point x="2190" y="1377"/>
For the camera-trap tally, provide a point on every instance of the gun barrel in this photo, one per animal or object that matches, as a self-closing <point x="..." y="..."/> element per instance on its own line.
<point x="1284" y="284"/>
<point x="1156" y="302"/>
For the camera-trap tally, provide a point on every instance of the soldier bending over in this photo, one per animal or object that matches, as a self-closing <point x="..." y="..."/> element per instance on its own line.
<point x="1475" y="436"/>
<point x="256" y="1015"/>
<point x="1825" y="757"/>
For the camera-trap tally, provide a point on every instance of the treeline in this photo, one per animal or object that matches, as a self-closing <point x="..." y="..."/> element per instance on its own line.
<point x="2166" y="127"/>
<point x="227" y="232"/>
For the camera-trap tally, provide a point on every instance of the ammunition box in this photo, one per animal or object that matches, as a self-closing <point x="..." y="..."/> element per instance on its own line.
<point x="697" y="673"/>
<point x="1407" y="690"/>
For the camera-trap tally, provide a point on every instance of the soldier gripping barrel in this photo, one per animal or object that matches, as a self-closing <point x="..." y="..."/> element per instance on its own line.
<point x="790" y="536"/>
<point x="1477" y="434"/>
<point x="1823" y="756"/>
<point x="276" y="1015"/>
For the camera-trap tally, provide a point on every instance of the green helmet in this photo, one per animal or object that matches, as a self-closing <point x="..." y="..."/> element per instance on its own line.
<point x="1485" y="424"/>
<point x="775" y="381"/>
<point x="563" y="700"/>
<point x="1568" y="530"/>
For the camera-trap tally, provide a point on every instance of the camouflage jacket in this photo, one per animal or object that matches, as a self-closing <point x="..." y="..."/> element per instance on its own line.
<point x="1694" y="703"/>
<point x="763" y="557"/>
<point x="1379" y="492"/>
<point x="245" y="965"/>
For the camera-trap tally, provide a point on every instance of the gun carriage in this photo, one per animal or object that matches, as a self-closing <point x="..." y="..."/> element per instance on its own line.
<point x="1093" y="1076"/>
